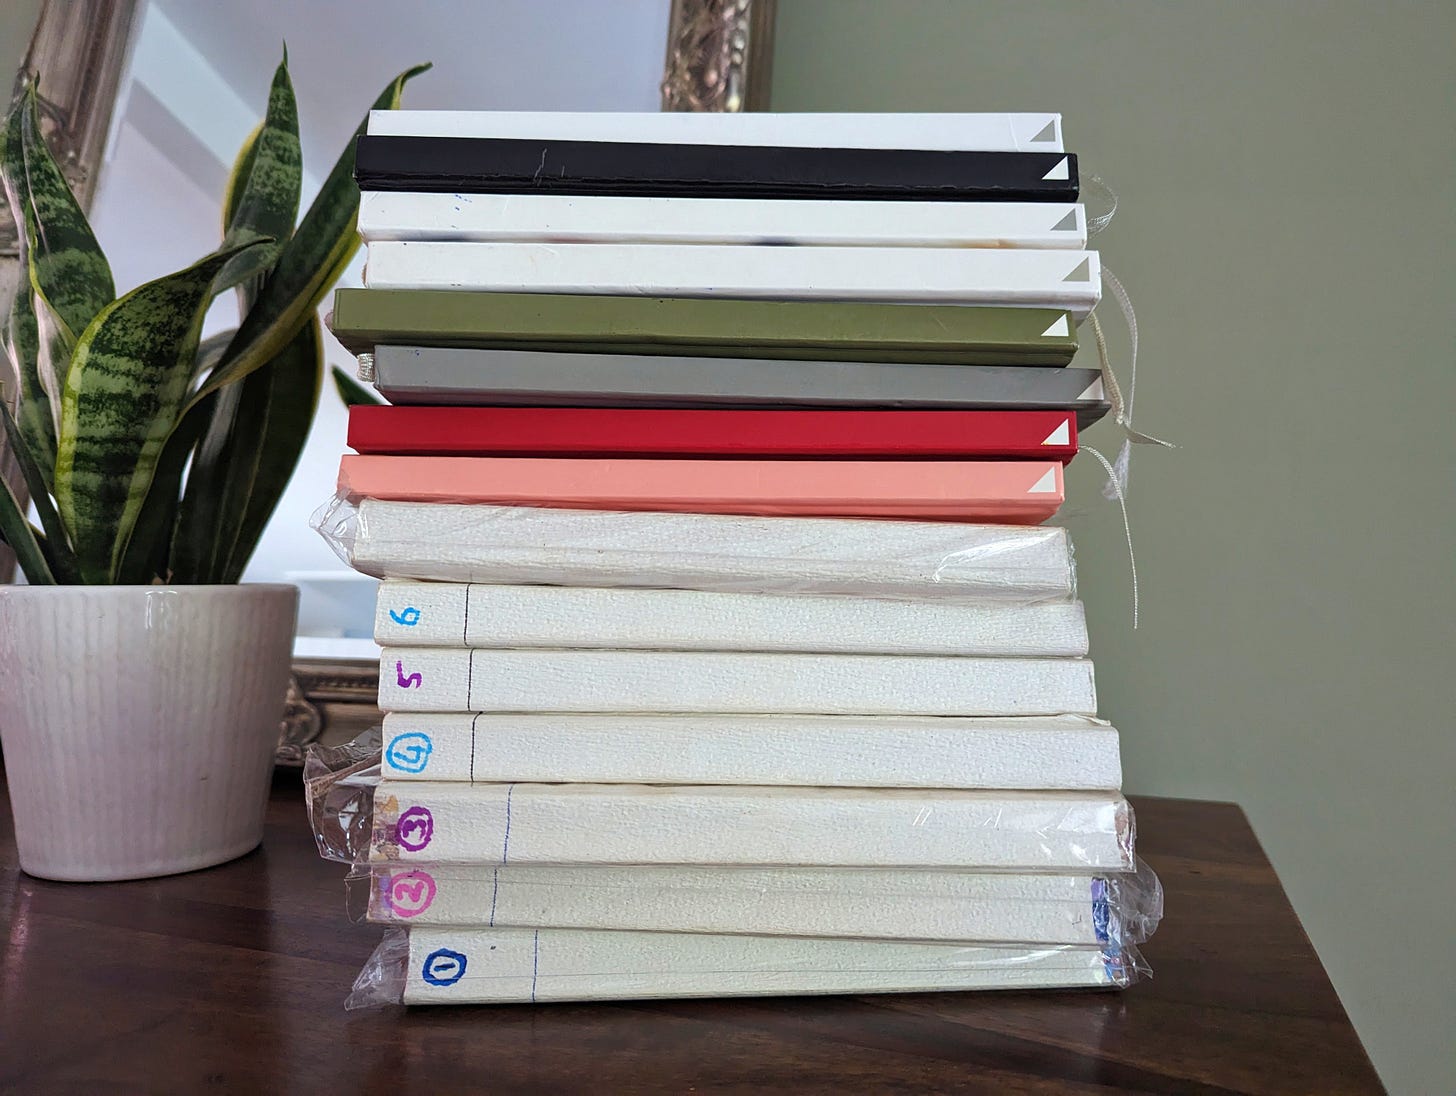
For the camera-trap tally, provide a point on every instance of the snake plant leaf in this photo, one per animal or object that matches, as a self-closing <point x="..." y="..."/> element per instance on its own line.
<point x="22" y="333"/>
<point x="66" y="261"/>
<point x="210" y="351"/>
<point x="22" y="344"/>
<point x="23" y="539"/>
<point x="57" y="546"/>
<point x="312" y="260"/>
<point x="351" y="391"/>
<point x="262" y="197"/>
<point x="294" y="380"/>
<point x="125" y="389"/>
<point x="54" y="343"/>
<point x="146" y="557"/>
<point x="245" y="461"/>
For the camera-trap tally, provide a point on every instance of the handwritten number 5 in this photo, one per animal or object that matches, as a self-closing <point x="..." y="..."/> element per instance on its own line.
<point x="412" y="681"/>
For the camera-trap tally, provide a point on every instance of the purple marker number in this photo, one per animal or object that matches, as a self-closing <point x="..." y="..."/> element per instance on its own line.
<point x="414" y="829"/>
<point x="413" y="681"/>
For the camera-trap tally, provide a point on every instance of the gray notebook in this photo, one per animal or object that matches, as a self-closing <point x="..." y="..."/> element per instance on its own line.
<point x="435" y="375"/>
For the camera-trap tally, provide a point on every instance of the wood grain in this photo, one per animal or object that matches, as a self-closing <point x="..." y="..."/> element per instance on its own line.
<point x="232" y="980"/>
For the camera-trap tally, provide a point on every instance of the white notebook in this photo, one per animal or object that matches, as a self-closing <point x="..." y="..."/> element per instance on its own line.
<point x="883" y="904"/>
<point x="1070" y="280"/>
<point x="493" y="824"/>
<point x="442" y="679"/>
<point x="447" y="614"/>
<point x="461" y="966"/>
<point x="1066" y="751"/>
<point x="633" y="219"/>
<point x="522" y="544"/>
<point x="982" y="132"/>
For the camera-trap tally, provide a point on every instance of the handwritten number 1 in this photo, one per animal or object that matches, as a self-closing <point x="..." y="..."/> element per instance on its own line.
<point x="412" y="681"/>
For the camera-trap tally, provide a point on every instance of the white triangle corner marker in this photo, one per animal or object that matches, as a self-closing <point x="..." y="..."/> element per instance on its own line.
<point x="1060" y="436"/>
<point x="1047" y="485"/>
<point x="1059" y="328"/>
<point x="1059" y="172"/>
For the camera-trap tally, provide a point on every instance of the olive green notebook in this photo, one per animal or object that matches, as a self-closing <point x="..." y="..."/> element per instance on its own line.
<point x="724" y="328"/>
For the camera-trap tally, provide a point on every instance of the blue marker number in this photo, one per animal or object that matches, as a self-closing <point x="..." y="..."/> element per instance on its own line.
<point x="409" y="617"/>
<point x="409" y="752"/>
<point x="443" y="967"/>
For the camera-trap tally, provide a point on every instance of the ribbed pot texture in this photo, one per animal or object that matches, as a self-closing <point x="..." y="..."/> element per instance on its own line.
<point x="139" y="723"/>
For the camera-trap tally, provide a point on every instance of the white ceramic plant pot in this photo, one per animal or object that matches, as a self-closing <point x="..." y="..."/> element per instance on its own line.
<point x="139" y="723"/>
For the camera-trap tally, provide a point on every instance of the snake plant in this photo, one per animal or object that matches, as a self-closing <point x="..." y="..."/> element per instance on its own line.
<point x="151" y="454"/>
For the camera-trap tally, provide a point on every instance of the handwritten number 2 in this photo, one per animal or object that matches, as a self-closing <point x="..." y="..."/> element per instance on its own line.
<point x="409" y="618"/>
<point x="412" y="681"/>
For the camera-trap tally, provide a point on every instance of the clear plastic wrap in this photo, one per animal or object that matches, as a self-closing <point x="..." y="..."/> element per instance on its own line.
<point x="795" y="555"/>
<point x="456" y="614"/>
<point x="990" y="752"/>
<point x="881" y="904"/>
<point x="500" y="965"/>
<point x="585" y="824"/>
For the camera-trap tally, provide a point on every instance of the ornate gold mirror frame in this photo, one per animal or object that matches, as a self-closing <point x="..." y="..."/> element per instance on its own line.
<point x="718" y="60"/>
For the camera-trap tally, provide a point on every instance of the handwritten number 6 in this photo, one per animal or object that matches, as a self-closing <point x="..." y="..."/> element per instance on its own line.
<point x="409" y="618"/>
<point x="413" y="681"/>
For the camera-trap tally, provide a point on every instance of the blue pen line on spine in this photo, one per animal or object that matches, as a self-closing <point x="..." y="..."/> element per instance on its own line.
<point x="494" y="892"/>
<point x="506" y="846"/>
<point x="535" y="962"/>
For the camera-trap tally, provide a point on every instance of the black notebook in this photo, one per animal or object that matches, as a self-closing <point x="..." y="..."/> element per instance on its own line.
<point x="497" y="166"/>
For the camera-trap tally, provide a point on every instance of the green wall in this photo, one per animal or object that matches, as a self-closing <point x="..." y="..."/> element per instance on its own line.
<point x="1288" y="234"/>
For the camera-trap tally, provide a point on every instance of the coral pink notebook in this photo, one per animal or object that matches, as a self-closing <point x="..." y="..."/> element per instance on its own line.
<point x="1011" y="492"/>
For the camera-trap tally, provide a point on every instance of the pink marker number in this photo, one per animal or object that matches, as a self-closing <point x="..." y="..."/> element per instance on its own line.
<point x="413" y="681"/>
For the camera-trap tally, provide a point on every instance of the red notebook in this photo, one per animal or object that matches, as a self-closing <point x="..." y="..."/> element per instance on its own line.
<point x="648" y="432"/>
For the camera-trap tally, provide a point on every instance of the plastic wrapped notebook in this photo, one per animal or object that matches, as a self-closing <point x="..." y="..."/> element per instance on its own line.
<point x="477" y="966"/>
<point x="359" y="820"/>
<point x="1068" y="280"/>
<point x="450" y="614"/>
<point x="878" y="904"/>
<point x="449" y="679"/>
<point x="1013" y="492"/>
<point x="1064" y="751"/>
<point x="569" y="218"/>
<point x="718" y="327"/>
<point x="542" y="378"/>
<point x="518" y="545"/>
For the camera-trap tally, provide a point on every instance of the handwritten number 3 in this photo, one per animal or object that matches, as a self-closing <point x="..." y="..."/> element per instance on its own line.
<point x="409" y="618"/>
<point x="413" y="681"/>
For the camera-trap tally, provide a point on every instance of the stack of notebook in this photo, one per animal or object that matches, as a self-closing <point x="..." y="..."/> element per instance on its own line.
<point x="724" y="650"/>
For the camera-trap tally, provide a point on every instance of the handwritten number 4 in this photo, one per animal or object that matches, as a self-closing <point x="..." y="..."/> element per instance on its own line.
<point x="409" y="618"/>
<point x="412" y="681"/>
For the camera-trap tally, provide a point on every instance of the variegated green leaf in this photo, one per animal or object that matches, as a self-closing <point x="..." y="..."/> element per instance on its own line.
<point x="22" y="334"/>
<point x="22" y="343"/>
<point x="210" y="351"/>
<point x="246" y="459"/>
<point x="318" y="252"/>
<point x="351" y="391"/>
<point x="56" y="547"/>
<point x="67" y="261"/>
<point x="23" y="539"/>
<point x="126" y="386"/>
<point x="293" y="381"/>
<point x="263" y="199"/>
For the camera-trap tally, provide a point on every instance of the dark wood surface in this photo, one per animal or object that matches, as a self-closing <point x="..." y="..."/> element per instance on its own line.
<point x="232" y="980"/>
